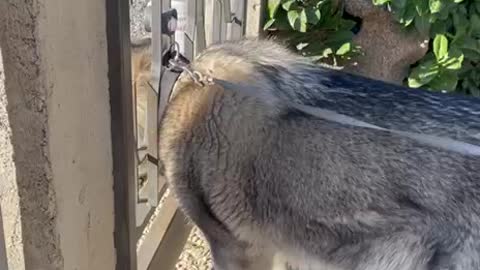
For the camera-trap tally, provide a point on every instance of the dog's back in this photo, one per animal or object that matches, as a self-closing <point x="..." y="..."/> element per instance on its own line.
<point x="267" y="182"/>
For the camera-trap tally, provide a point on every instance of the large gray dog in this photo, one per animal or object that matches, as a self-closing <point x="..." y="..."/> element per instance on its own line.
<point x="270" y="180"/>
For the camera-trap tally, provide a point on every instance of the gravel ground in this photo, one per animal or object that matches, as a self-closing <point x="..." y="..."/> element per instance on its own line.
<point x="196" y="254"/>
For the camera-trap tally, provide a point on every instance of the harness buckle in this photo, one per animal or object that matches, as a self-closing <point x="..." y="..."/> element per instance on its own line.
<point x="174" y="61"/>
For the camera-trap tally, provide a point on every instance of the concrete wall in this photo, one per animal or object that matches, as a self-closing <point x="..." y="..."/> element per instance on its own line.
<point x="11" y="228"/>
<point x="56" y="192"/>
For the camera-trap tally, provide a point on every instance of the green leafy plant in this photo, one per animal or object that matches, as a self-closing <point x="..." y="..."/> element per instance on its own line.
<point x="314" y="28"/>
<point x="438" y="70"/>
<point x="453" y="60"/>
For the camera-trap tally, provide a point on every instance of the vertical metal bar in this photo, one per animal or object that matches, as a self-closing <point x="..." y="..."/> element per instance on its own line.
<point x="189" y="34"/>
<point x="236" y="23"/>
<point x="185" y="33"/>
<point x="181" y="7"/>
<point x="122" y="130"/>
<point x="148" y="197"/>
<point x="157" y="48"/>
<point x="200" y="39"/>
<point x="255" y="18"/>
<point x="217" y="22"/>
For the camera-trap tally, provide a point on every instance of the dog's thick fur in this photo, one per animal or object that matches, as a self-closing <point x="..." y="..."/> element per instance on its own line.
<point x="267" y="183"/>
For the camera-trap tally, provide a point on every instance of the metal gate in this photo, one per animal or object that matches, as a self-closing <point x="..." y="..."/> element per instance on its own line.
<point x="150" y="231"/>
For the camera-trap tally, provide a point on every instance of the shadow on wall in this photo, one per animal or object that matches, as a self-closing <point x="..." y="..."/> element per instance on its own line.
<point x="3" y="253"/>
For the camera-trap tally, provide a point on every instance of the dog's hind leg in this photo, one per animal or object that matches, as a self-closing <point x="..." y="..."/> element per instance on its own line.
<point x="232" y="254"/>
<point x="228" y="252"/>
<point x="400" y="251"/>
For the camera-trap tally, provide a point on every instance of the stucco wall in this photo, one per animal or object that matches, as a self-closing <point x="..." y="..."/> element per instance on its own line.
<point x="58" y="129"/>
<point x="11" y="240"/>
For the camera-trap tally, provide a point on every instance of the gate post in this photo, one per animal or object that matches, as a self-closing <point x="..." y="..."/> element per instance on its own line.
<point x="56" y="183"/>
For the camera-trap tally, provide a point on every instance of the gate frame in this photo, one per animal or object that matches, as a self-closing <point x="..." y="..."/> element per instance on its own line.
<point x="172" y="232"/>
<point x="122" y="130"/>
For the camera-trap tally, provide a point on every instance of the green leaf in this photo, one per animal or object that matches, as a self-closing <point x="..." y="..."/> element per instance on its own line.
<point x="460" y="22"/>
<point x="445" y="81"/>
<point x="422" y="25"/>
<point x="268" y="24"/>
<point x="314" y="48"/>
<point x="289" y="5"/>
<point x="293" y="16"/>
<point x="303" y="21"/>
<point x="399" y="4"/>
<point x="423" y="74"/>
<point x="440" y="46"/>
<point x="444" y="12"/>
<point x="475" y="25"/>
<point x="435" y="5"/>
<point x="470" y="48"/>
<point x="409" y="15"/>
<point x="453" y="60"/>
<point x="380" y="2"/>
<point x="437" y="27"/>
<point x="281" y="21"/>
<point x="273" y="7"/>
<point x="339" y="38"/>
<point x="327" y="52"/>
<point x="298" y="20"/>
<point x="471" y="55"/>
<point x="344" y="49"/>
<point x="320" y="3"/>
<point x="313" y="15"/>
<point x="422" y="7"/>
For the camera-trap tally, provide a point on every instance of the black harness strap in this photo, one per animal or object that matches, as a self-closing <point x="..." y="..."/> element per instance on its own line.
<point x="166" y="84"/>
<point x="194" y="35"/>
<point x="168" y="76"/>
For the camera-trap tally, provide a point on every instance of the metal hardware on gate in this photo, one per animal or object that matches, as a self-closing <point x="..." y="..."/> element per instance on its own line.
<point x="228" y="14"/>
<point x="227" y="20"/>
<point x="169" y="21"/>
<point x="172" y="57"/>
<point x="235" y="27"/>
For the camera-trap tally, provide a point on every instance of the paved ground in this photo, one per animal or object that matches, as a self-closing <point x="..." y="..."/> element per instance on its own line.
<point x="196" y="255"/>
